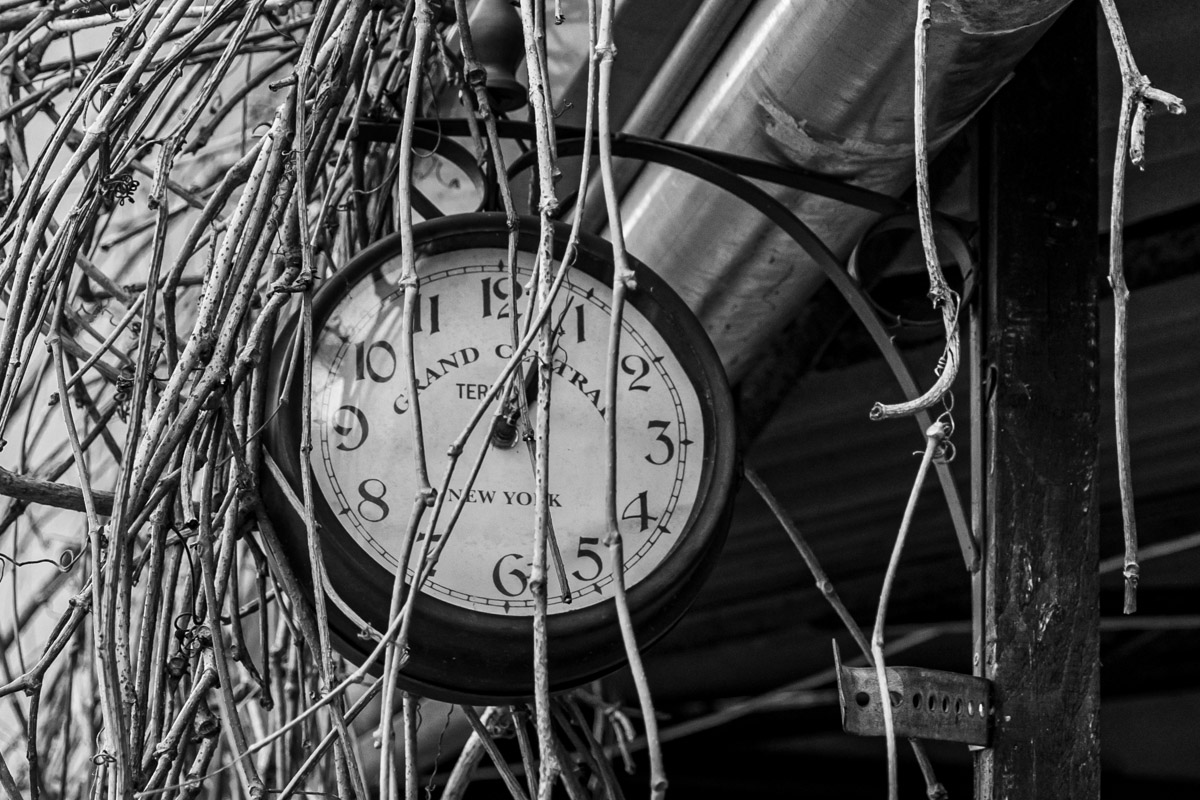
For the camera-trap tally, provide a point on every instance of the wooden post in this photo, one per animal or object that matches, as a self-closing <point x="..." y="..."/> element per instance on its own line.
<point x="1038" y="600"/>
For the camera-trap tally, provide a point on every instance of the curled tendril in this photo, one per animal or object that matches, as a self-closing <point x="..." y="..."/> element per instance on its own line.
<point x="66" y="559"/>
<point x="430" y="785"/>
<point x="124" y="393"/>
<point x="946" y="418"/>
<point x="183" y="623"/>
<point x="119" y="188"/>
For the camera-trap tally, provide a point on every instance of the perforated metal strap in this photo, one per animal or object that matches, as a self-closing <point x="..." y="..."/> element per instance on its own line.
<point x="926" y="703"/>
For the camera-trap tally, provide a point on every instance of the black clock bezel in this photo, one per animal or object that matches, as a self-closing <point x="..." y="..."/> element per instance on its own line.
<point x="461" y="655"/>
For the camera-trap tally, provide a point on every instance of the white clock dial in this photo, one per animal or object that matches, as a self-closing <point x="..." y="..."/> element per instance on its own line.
<point x="363" y="457"/>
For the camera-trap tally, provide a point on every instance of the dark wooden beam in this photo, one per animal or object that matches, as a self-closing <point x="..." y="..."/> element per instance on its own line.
<point x="1039" y="594"/>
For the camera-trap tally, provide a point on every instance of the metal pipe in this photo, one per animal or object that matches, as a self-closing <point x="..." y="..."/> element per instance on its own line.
<point x="675" y="80"/>
<point x="668" y="91"/>
<point x="826" y="86"/>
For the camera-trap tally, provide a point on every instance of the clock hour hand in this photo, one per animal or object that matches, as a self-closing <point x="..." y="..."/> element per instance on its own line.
<point x="506" y="429"/>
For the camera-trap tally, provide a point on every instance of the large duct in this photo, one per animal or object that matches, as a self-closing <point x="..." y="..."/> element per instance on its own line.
<point x="825" y="85"/>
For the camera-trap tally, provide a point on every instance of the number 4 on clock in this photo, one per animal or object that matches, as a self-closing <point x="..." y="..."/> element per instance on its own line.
<point x="641" y="513"/>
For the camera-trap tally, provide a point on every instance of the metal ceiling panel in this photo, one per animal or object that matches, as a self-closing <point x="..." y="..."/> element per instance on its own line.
<point x="845" y="479"/>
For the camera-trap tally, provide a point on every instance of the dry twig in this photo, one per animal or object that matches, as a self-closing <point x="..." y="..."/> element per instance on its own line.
<point x="1138" y="99"/>
<point x="943" y="297"/>
<point x="158" y="305"/>
<point x="934" y="789"/>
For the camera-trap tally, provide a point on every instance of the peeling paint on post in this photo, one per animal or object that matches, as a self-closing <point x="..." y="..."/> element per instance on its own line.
<point x="1040" y="601"/>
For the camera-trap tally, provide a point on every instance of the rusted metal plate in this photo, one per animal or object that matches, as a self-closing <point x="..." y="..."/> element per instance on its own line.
<point x="926" y="703"/>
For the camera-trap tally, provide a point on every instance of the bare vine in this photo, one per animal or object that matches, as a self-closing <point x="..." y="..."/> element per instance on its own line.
<point x="179" y="178"/>
<point x="1138" y="99"/>
<point x="943" y="297"/>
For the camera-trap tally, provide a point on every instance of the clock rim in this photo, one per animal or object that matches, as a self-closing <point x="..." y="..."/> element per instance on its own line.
<point x="585" y="643"/>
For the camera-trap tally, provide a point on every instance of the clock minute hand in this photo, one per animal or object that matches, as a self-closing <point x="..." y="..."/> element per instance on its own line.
<point x="512" y="425"/>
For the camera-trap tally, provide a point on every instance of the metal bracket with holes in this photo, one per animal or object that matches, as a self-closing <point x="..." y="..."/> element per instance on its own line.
<point x="926" y="703"/>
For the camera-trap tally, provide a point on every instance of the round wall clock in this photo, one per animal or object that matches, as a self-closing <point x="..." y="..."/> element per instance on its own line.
<point x="471" y="636"/>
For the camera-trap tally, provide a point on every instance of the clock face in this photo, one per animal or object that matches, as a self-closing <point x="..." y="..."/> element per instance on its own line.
<point x="471" y="635"/>
<point x="363" y="455"/>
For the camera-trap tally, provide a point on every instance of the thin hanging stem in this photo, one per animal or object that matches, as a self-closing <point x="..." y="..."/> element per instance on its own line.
<point x="934" y="789"/>
<point x="933" y="440"/>
<point x="943" y="297"/>
<point x="624" y="281"/>
<point x="423" y="19"/>
<point x="411" y="785"/>
<point x="539" y="103"/>
<point x="1137" y="101"/>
